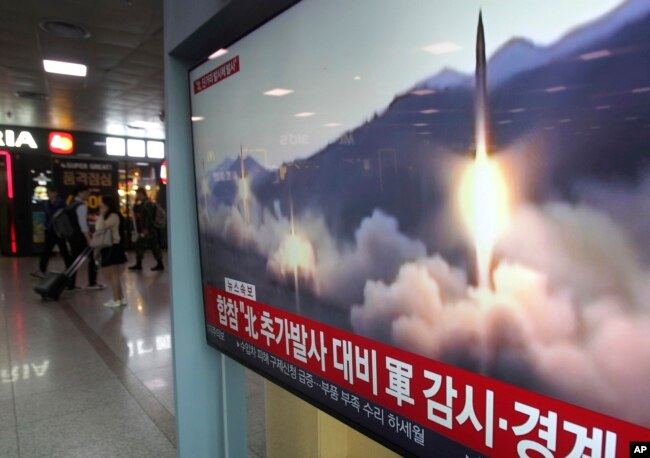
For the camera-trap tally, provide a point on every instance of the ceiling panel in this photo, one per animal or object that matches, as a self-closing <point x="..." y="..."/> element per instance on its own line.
<point x="124" y="55"/>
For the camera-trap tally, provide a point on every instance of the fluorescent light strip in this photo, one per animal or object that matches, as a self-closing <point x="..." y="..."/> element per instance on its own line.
<point x="218" y="53"/>
<point x="278" y="92"/>
<point x="444" y="47"/>
<point x="64" y="68"/>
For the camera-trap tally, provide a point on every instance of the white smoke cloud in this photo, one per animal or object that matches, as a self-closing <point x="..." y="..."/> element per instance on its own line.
<point x="623" y="201"/>
<point x="335" y="270"/>
<point x="567" y="315"/>
<point x="377" y="252"/>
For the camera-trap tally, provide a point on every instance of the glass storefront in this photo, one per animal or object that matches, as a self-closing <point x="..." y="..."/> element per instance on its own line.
<point x="34" y="166"/>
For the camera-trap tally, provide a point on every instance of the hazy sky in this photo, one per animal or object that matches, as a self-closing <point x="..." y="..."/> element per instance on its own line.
<point x="346" y="59"/>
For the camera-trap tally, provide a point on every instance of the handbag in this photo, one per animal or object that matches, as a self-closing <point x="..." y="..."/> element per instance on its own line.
<point x="102" y="238"/>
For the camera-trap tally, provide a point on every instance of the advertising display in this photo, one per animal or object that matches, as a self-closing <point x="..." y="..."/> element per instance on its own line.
<point x="99" y="176"/>
<point x="430" y="218"/>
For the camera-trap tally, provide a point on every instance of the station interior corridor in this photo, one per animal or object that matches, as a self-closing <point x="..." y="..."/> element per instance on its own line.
<point x="78" y="379"/>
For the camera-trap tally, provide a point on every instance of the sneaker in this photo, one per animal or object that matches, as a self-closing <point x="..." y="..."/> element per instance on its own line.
<point x="96" y="286"/>
<point x="158" y="266"/>
<point x="112" y="304"/>
<point x="137" y="266"/>
<point x="38" y="274"/>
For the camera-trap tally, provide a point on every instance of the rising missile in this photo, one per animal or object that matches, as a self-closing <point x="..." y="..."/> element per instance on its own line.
<point x="481" y="100"/>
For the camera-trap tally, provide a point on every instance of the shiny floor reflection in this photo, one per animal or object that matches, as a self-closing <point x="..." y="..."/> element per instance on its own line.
<point x="81" y="380"/>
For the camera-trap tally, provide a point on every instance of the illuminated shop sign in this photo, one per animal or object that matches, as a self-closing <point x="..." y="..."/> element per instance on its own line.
<point x="10" y="139"/>
<point x="163" y="172"/>
<point x="100" y="176"/>
<point x="61" y="143"/>
<point x="135" y="147"/>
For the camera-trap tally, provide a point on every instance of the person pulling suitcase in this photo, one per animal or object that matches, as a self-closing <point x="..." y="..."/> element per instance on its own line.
<point x="55" y="282"/>
<point x="77" y="212"/>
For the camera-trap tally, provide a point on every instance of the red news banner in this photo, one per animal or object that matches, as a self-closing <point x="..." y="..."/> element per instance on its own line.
<point x="220" y="73"/>
<point x="486" y="415"/>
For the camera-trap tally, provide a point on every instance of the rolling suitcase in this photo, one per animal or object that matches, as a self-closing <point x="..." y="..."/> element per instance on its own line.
<point x="55" y="282"/>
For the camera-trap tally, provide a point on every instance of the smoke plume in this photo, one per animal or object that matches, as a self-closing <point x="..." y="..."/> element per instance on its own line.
<point x="566" y="316"/>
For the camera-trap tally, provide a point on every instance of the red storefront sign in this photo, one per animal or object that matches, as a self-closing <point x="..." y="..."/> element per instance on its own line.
<point x="61" y="143"/>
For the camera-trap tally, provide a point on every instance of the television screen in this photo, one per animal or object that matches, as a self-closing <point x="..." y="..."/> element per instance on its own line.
<point x="432" y="219"/>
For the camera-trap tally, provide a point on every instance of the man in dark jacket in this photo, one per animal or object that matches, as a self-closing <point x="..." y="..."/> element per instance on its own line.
<point x="145" y="216"/>
<point x="81" y="237"/>
<point x="51" y="206"/>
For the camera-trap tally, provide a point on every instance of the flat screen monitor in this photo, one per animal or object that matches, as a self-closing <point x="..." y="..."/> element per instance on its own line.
<point x="431" y="219"/>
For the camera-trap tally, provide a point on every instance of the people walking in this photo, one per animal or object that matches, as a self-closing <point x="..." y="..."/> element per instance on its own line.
<point x="51" y="206"/>
<point x="148" y="236"/>
<point x="80" y="239"/>
<point x="112" y="258"/>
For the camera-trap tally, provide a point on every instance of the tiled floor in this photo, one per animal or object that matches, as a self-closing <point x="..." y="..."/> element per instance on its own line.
<point x="80" y="380"/>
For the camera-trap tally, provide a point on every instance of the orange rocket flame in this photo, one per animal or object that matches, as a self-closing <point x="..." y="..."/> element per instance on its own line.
<point x="484" y="204"/>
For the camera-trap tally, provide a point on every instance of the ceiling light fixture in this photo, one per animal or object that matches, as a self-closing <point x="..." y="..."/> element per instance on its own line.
<point x="64" y="68"/>
<point x="304" y="114"/>
<point x="218" y="53"/>
<point x="32" y="95"/>
<point x="444" y="47"/>
<point x="278" y="92"/>
<point x="65" y="29"/>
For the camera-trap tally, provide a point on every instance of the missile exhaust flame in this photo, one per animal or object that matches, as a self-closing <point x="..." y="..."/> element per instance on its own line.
<point x="483" y="189"/>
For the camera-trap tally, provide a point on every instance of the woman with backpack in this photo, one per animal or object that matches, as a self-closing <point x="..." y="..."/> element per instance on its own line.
<point x="111" y="257"/>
